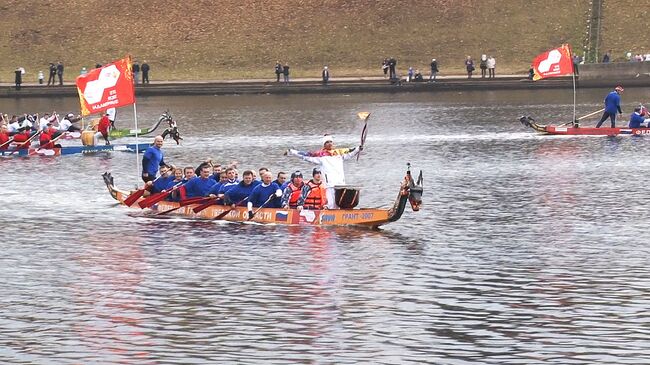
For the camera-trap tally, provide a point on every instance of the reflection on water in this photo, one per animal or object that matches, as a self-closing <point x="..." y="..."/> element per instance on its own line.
<point x="528" y="250"/>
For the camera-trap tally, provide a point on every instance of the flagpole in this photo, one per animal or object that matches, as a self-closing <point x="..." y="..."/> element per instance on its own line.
<point x="137" y="160"/>
<point x="574" y="99"/>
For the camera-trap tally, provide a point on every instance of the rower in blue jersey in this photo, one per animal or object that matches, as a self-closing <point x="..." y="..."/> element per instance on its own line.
<point x="612" y="105"/>
<point x="231" y="181"/>
<point x="268" y="189"/>
<point x="152" y="159"/>
<point x="238" y="194"/>
<point x="199" y="185"/>
<point x="636" y="120"/>
<point x="163" y="182"/>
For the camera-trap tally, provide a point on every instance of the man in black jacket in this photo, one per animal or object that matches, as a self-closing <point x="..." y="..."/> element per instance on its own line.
<point x="59" y="72"/>
<point x="145" y="72"/>
<point x="50" y="80"/>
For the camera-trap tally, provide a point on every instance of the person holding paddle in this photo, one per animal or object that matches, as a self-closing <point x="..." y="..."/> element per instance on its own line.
<point x="152" y="159"/>
<point x="240" y="192"/>
<point x="263" y="191"/>
<point x="612" y="105"/>
<point x="5" y="140"/>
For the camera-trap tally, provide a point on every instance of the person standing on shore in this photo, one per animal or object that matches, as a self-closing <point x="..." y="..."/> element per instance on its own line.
<point x="483" y="66"/>
<point x="491" y="65"/>
<point x="278" y="71"/>
<point x="434" y="70"/>
<point x="384" y="67"/>
<point x="606" y="57"/>
<point x="19" y="77"/>
<point x="392" y="65"/>
<point x="469" y="65"/>
<point x="50" y="80"/>
<point x="326" y="75"/>
<point x="145" y="72"/>
<point x="285" y="72"/>
<point x="136" y="72"/>
<point x="59" y="72"/>
<point x="612" y="105"/>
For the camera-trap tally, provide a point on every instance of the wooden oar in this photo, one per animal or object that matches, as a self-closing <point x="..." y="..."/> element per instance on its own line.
<point x="6" y="143"/>
<point x="29" y="140"/>
<point x="225" y="213"/>
<point x="583" y="117"/>
<point x="252" y="214"/>
<point x="155" y="198"/>
<point x="182" y="203"/>
<point x="134" y="196"/>
<point x="205" y="204"/>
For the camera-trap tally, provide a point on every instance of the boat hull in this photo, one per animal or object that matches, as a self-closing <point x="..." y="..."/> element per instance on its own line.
<point x="71" y="150"/>
<point x="571" y="130"/>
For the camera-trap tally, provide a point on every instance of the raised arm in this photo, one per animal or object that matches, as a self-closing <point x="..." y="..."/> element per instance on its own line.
<point x="353" y="152"/>
<point x="303" y="156"/>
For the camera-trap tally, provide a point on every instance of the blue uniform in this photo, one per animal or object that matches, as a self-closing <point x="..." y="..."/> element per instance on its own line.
<point x="152" y="159"/>
<point x="161" y="184"/>
<point x="635" y="120"/>
<point x="261" y="194"/>
<point x="238" y="193"/>
<point x="229" y="184"/>
<point x="198" y="186"/>
<point x="612" y="105"/>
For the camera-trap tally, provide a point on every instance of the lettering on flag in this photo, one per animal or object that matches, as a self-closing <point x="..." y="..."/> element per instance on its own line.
<point x="553" y="63"/>
<point x="107" y="87"/>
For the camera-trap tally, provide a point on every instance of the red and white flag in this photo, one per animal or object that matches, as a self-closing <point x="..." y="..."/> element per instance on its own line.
<point x="554" y="63"/>
<point x="110" y="86"/>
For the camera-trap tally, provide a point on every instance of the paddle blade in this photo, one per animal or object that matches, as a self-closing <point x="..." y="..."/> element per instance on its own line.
<point x="225" y="213"/>
<point x="363" y="115"/>
<point x="155" y="198"/>
<point x="133" y="197"/>
<point x="204" y="205"/>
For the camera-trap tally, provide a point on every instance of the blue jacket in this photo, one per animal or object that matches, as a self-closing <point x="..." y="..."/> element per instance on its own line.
<point x="613" y="103"/>
<point x="161" y="184"/>
<point x="198" y="187"/>
<point x="261" y="194"/>
<point x="238" y="192"/>
<point x="152" y="158"/>
<point x="635" y="120"/>
<point x="229" y="184"/>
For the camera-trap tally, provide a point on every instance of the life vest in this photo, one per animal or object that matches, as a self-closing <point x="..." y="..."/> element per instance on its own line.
<point x="295" y="195"/>
<point x="315" y="198"/>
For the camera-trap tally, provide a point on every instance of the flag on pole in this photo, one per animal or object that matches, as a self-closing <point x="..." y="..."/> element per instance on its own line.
<point x="110" y="86"/>
<point x="553" y="63"/>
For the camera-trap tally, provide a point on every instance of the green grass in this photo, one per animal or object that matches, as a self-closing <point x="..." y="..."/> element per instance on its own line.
<point x="228" y="39"/>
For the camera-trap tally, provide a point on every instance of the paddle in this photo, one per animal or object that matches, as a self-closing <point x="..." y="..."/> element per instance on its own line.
<point x="363" y="116"/>
<point x="47" y="151"/>
<point x="182" y="203"/>
<point x="583" y="117"/>
<point x="252" y="214"/>
<point x="137" y="194"/>
<point x="155" y="198"/>
<point x="29" y="140"/>
<point x="225" y="213"/>
<point x="210" y="201"/>
<point x="6" y="143"/>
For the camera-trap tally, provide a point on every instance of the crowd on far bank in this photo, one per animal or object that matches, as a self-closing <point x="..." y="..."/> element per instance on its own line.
<point x="55" y="72"/>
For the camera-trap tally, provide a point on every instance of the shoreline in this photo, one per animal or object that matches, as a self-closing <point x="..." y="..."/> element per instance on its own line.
<point x="335" y="85"/>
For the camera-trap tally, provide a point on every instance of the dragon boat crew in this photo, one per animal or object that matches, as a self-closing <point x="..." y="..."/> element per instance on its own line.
<point x="214" y="190"/>
<point x="231" y="181"/>
<point x="330" y="162"/>
<point x="200" y="185"/>
<point x="313" y="194"/>
<point x="292" y="192"/>
<point x="21" y="139"/>
<point x="46" y="121"/>
<point x="178" y="194"/>
<point x="264" y="191"/>
<point x="636" y="120"/>
<point x="152" y="159"/>
<point x="238" y="194"/>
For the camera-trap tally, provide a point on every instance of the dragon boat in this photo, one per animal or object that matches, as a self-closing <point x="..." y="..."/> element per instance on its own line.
<point x="88" y="134"/>
<point x="410" y="191"/>
<point x="71" y="150"/>
<point x="571" y="129"/>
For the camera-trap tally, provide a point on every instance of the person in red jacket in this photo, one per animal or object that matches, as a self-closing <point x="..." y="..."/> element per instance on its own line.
<point x="103" y="128"/>
<point x="4" y="137"/>
<point x="22" y="140"/>
<point x="46" y="138"/>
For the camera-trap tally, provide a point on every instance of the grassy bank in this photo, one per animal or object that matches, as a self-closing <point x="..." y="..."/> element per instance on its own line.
<point x="242" y="39"/>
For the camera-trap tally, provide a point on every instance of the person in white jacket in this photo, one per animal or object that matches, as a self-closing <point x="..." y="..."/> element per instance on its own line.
<point x="330" y="161"/>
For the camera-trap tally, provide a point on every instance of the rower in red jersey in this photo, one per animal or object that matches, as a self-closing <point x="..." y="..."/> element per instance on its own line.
<point x="4" y="137"/>
<point x="21" y="139"/>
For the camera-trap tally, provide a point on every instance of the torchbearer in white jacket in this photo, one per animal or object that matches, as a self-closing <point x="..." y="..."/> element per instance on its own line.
<point x="330" y="161"/>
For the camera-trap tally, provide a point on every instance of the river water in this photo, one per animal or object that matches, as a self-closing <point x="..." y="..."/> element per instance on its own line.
<point x="528" y="249"/>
